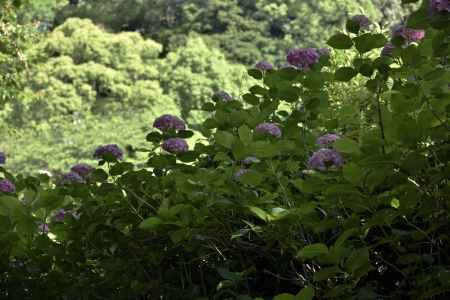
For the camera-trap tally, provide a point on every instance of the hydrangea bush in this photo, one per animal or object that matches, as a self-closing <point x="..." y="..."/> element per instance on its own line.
<point x="310" y="202"/>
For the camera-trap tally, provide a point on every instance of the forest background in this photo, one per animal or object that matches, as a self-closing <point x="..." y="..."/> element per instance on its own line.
<point x="93" y="72"/>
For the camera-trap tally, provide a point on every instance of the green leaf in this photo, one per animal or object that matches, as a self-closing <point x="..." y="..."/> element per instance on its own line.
<point x="345" y="74"/>
<point x="346" y="145"/>
<point x="260" y="213"/>
<point x="121" y="168"/>
<point x="251" y="99"/>
<point x="245" y="134"/>
<point x="251" y="178"/>
<point x="224" y="138"/>
<point x="369" y="41"/>
<point x="326" y="273"/>
<point x="285" y="296"/>
<point x="208" y="106"/>
<point x="305" y="294"/>
<point x="313" y="250"/>
<point x="185" y="134"/>
<point x="150" y="223"/>
<point x="99" y="175"/>
<point x="161" y="161"/>
<point x="353" y="173"/>
<point x="257" y="74"/>
<point x="154" y="137"/>
<point x="352" y="26"/>
<point x="340" y="41"/>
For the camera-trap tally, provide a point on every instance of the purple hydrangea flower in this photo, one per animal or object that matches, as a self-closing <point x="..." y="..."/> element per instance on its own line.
<point x="264" y="66"/>
<point x="6" y="186"/>
<point x="175" y="145"/>
<point x="363" y="21"/>
<point x="324" y="51"/>
<point x="410" y="35"/>
<point x="327" y="139"/>
<point x="240" y="172"/>
<point x="268" y="128"/>
<point x="43" y="228"/>
<point x="166" y="122"/>
<point x="222" y="96"/>
<point x="72" y="177"/>
<point x="112" y="149"/>
<point x="323" y="158"/>
<point x="388" y="49"/>
<point x="303" y="58"/>
<point x="2" y="158"/>
<point x="440" y="5"/>
<point x="60" y="214"/>
<point x="82" y="169"/>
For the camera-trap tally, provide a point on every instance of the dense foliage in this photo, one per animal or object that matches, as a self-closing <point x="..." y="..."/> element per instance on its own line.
<point x="292" y="193"/>
<point x="83" y="82"/>
<point x="246" y="31"/>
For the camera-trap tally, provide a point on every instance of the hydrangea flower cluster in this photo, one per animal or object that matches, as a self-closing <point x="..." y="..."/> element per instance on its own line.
<point x="324" y="51"/>
<point x="440" y="5"/>
<point x="388" y="49"/>
<point x="264" y="66"/>
<point x="268" y="128"/>
<point x="6" y="186"/>
<point x="43" y="228"/>
<point x="363" y="21"/>
<point x="240" y="172"/>
<point x="72" y="177"/>
<point x="112" y="149"/>
<point x="410" y="35"/>
<point x="222" y="96"/>
<point x="303" y="58"/>
<point x="175" y="145"/>
<point x="60" y="214"/>
<point x="2" y="158"/>
<point x="324" y="158"/>
<point x="327" y="139"/>
<point x="82" y="169"/>
<point x="167" y="122"/>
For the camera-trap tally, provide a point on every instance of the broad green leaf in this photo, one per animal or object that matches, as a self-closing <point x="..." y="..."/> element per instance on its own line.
<point x="346" y="145"/>
<point x="251" y="178"/>
<point x="369" y="41"/>
<point x="224" y="138"/>
<point x="313" y="250"/>
<point x="305" y="294"/>
<point x="345" y="74"/>
<point x="150" y="223"/>
<point x="245" y="134"/>
<point x="340" y="41"/>
<point x="266" y="217"/>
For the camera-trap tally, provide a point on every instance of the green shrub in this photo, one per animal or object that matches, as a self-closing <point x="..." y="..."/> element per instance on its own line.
<point x="261" y="208"/>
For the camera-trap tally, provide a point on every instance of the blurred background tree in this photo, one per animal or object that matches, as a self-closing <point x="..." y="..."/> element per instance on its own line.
<point x="79" y="73"/>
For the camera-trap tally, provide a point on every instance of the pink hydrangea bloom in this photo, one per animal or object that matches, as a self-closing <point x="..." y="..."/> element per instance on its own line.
<point x="410" y="35"/>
